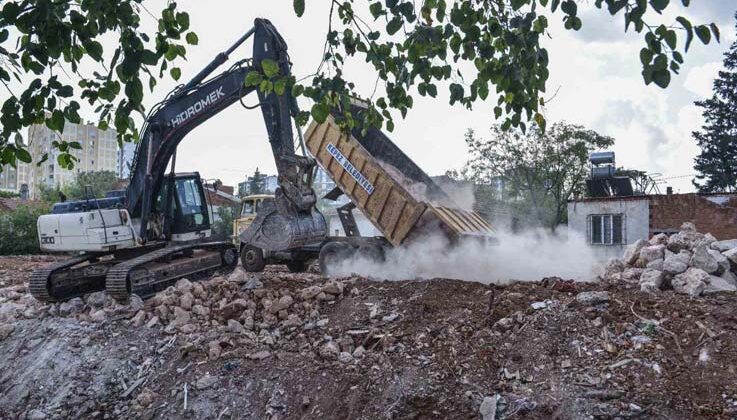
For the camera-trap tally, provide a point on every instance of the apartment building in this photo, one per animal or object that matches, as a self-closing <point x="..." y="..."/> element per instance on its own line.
<point x="99" y="153"/>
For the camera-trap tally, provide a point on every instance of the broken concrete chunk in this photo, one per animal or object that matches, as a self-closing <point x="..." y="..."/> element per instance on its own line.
<point x="652" y="253"/>
<point x="703" y="260"/>
<point x="651" y="280"/>
<point x="677" y="242"/>
<point x="206" y="382"/>
<point x="719" y="284"/>
<point x="488" y="408"/>
<point x="71" y="307"/>
<point x="692" y="282"/>
<point x="654" y="265"/>
<point x="659" y="239"/>
<point x="731" y="256"/>
<point x="593" y="297"/>
<point x="721" y="260"/>
<point x="633" y="251"/>
<point x="722" y="246"/>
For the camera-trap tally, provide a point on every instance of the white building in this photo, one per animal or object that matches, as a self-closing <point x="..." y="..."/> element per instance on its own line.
<point x="124" y="160"/>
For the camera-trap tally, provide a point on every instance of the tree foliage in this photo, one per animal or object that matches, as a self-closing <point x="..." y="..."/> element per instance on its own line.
<point x="535" y="172"/>
<point x="90" y="185"/>
<point x="428" y="46"/>
<point x="18" y="232"/>
<point x="44" y="43"/>
<point x="222" y="227"/>
<point x="414" y="47"/>
<point x="716" y="164"/>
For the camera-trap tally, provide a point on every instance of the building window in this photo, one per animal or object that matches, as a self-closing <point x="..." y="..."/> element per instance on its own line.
<point x="606" y="229"/>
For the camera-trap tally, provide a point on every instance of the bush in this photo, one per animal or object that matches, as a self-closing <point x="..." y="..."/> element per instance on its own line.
<point x="222" y="227"/>
<point x="18" y="232"/>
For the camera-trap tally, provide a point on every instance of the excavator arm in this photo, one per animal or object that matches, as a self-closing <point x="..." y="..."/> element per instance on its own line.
<point x="199" y="100"/>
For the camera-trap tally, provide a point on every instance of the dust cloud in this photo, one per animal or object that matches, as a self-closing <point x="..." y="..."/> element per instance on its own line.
<point x="528" y="256"/>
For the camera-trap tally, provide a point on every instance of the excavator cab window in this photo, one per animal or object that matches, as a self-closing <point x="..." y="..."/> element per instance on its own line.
<point x="191" y="206"/>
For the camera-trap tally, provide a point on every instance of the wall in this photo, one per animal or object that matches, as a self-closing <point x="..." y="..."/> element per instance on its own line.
<point x="636" y="222"/>
<point x="715" y="213"/>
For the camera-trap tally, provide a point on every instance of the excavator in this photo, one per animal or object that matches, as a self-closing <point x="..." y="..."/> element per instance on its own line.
<point x="142" y="240"/>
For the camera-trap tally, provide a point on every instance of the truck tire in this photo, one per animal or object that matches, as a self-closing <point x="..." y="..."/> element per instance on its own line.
<point x="334" y="253"/>
<point x="297" y="266"/>
<point x="252" y="259"/>
<point x="371" y="252"/>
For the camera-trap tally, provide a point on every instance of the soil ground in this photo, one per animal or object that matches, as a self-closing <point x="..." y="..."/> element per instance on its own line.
<point x="368" y="349"/>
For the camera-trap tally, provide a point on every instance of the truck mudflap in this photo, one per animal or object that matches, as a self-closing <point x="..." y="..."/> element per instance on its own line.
<point x="273" y="230"/>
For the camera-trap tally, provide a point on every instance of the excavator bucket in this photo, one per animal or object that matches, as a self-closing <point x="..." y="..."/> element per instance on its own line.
<point x="274" y="230"/>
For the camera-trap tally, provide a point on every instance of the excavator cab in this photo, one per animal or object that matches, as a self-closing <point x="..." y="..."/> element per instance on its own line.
<point x="187" y="216"/>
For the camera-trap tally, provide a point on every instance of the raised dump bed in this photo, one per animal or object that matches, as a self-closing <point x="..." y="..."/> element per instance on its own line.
<point x="400" y="199"/>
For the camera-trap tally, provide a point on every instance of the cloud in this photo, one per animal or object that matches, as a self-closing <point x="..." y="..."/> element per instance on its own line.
<point x="700" y="79"/>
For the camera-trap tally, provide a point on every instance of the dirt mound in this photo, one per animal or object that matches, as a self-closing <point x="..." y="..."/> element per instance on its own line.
<point x="282" y="345"/>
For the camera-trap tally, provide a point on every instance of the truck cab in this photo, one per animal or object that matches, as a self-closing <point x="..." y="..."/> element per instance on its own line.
<point x="250" y="205"/>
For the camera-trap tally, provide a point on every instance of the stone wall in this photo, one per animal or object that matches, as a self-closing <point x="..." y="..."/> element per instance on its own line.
<point x="716" y="214"/>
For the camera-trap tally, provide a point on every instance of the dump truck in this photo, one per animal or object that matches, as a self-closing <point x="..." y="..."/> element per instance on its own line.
<point x="382" y="182"/>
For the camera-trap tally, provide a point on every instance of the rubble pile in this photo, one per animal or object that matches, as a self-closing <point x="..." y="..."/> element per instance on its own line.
<point x="688" y="262"/>
<point x="280" y="345"/>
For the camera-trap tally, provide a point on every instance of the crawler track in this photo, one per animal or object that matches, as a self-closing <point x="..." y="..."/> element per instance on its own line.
<point x="70" y="278"/>
<point x="155" y="271"/>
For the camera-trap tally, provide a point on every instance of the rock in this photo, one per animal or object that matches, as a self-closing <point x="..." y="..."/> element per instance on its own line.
<point x="692" y="282"/>
<point x="237" y="276"/>
<point x="71" y="307"/>
<point x="135" y="304"/>
<point x="593" y="297"/>
<point x="721" y="260"/>
<point x="233" y="310"/>
<point x="726" y="245"/>
<point x="719" y="284"/>
<point x="183" y="285"/>
<point x="139" y="319"/>
<point x="652" y="253"/>
<point x="632" y="274"/>
<point x="181" y="317"/>
<point x="333" y="288"/>
<point x="186" y="300"/>
<point x="187" y="328"/>
<point x="293" y="320"/>
<point x="345" y="357"/>
<point x="260" y="355"/>
<point x="9" y="310"/>
<point x="152" y="322"/>
<point x="329" y="351"/>
<point x="391" y="317"/>
<point x="359" y="352"/>
<point x="309" y="292"/>
<point x="651" y="280"/>
<point x="235" y="327"/>
<point x="504" y="324"/>
<point x="703" y="260"/>
<point x="677" y="242"/>
<point x="633" y="251"/>
<point x="688" y="227"/>
<point x="6" y="330"/>
<point x="659" y="239"/>
<point x="36" y="414"/>
<point x="198" y="291"/>
<point x="729" y="277"/>
<point x="97" y="299"/>
<point x="253" y="283"/>
<point x="708" y="239"/>
<point x="653" y="265"/>
<point x="731" y="256"/>
<point x="538" y="305"/>
<point x="206" y="382"/>
<point x="200" y="310"/>
<point x="284" y="302"/>
<point x="214" y="350"/>
<point x="675" y="265"/>
<point x="145" y="398"/>
<point x="488" y="408"/>
<point x="613" y="267"/>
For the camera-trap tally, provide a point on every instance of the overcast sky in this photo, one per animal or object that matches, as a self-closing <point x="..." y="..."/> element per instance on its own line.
<point x="596" y="73"/>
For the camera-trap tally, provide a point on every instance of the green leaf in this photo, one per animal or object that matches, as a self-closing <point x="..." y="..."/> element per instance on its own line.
<point x="192" y="38"/>
<point x="702" y="31"/>
<point x="662" y="78"/>
<point x="270" y="67"/>
<point x="394" y="25"/>
<point x="176" y="73"/>
<point x="75" y="145"/>
<point x="23" y="155"/>
<point x="253" y="78"/>
<point x="376" y="9"/>
<point x="689" y="30"/>
<point x="320" y="112"/>
<point x="94" y="49"/>
<point x="57" y="121"/>
<point x="715" y="31"/>
<point x="659" y="5"/>
<point x="297" y="90"/>
<point x="299" y="7"/>
<point x="646" y="56"/>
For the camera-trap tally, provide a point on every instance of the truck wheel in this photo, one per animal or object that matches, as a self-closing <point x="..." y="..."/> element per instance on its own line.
<point x="373" y="253"/>
<point x="333" y="253"/>
<point x="297" y="266"/>
<point x="252" y="259"/>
